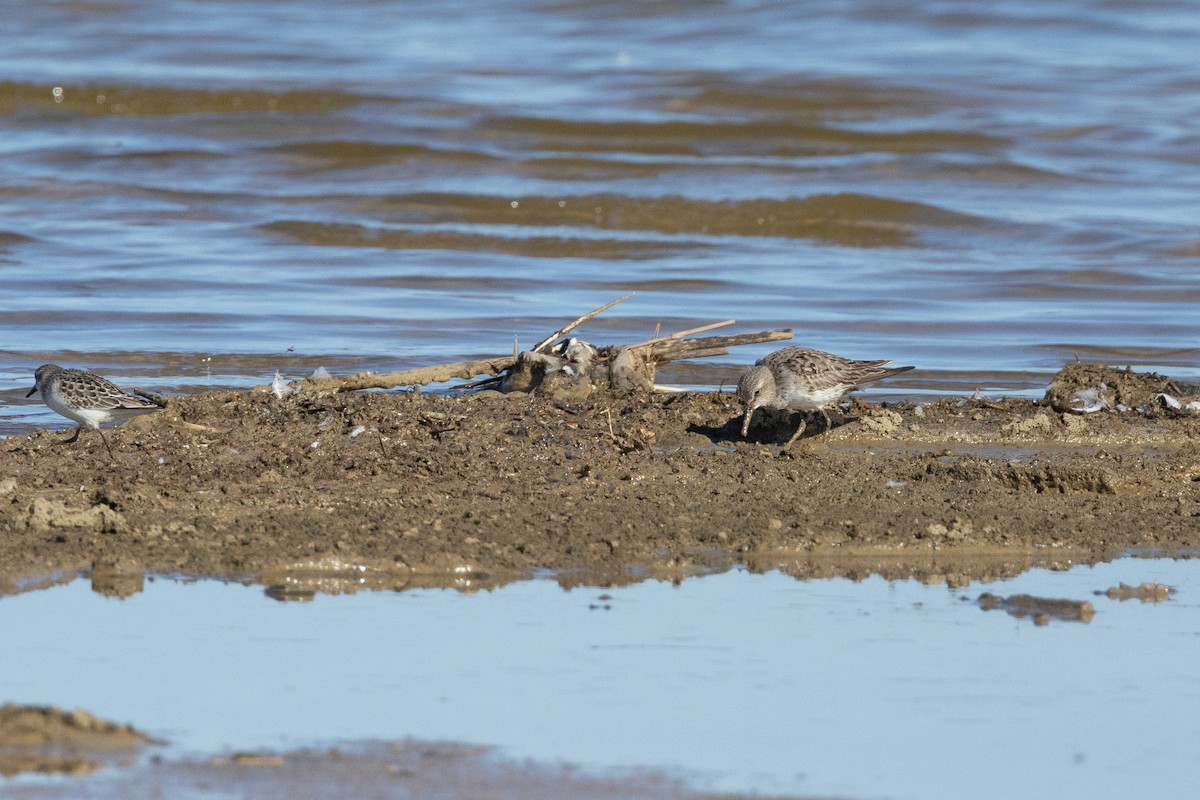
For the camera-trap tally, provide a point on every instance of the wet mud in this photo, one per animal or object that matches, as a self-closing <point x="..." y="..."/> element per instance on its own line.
<point x="403" y="769"/>
<point x="394" y="490"/>
<point x="48" y="740"/>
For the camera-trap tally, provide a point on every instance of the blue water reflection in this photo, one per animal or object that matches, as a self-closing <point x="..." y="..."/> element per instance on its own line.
<point x="741" y="681"/>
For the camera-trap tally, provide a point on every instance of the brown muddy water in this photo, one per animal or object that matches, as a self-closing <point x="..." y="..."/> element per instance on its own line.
<point x="193" y="195"/>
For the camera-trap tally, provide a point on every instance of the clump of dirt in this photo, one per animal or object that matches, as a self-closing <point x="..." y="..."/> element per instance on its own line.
<point x="1039" y="477"/>
<point x="46" y="739"/>
<point x="1088" y="387"/>
<point x="328" y="492"/>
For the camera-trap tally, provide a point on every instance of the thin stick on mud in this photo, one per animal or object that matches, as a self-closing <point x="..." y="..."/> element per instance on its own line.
<point x="682" y="334"/>
<point x="564" y="330"/>
<point x="668" y="348"/>
<point x="410" y="377"/>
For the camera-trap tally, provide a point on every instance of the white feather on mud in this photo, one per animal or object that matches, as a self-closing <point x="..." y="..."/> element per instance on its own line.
<point x="1173" y="403"/>
<point x="278" y="386"/>
<point x="1168" y="401"/>
<point x="1091" y="400"/>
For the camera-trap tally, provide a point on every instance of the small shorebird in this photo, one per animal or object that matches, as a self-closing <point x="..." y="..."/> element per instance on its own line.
<point x="798" y="378"/>
<point x="88" y="399"/>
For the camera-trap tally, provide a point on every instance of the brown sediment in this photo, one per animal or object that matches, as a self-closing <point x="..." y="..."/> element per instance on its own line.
<point x="403" y="769"/>
<point x="48" y="740"/>
<point x="1144" y="592"/>
<point x="1040" y="609"/>
<point x="331" y="493"/>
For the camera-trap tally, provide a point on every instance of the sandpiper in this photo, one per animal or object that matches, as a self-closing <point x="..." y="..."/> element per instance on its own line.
<point x="88" y="399"/>
<point x="799" y="378"/>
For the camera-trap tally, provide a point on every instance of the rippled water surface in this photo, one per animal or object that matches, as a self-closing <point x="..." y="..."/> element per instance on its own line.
<point x="741" y="682"/>
<point x="193" y="194"/>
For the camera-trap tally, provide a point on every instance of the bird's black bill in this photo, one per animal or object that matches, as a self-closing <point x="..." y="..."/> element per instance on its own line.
<point x="31" y="391"/>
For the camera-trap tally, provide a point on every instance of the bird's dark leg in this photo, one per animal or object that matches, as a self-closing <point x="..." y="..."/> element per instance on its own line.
<point x="74" y="437"/>
<point x="104" y="439"/>
<point x="828" y="423"/>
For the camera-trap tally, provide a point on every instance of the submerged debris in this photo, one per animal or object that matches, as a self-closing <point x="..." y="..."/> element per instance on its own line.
<point x="1145" y="592"/>
<point x="248" y="759"/>
<point x="1040" y="608"/>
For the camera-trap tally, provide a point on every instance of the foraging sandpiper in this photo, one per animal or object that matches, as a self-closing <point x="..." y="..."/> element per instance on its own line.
<point x="799" y="378"/>
<point x="88" y="399"/>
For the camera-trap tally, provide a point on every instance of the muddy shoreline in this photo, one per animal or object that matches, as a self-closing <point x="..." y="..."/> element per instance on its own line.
<point x="394" y="489"/>
<point x="46" y="740"/>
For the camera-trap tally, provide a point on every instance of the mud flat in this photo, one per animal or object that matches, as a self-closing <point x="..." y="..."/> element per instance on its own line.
<point x="367" y="769"/>
<point x="51" y="741"/>
<point x="394" y="489"/>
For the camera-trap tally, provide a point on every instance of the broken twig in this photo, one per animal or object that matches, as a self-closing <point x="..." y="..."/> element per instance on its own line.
<point x="670" y="348"/>
<point x="564" y="330"/>
<point x="622" y="367"/>
<point x="408" y="377"/>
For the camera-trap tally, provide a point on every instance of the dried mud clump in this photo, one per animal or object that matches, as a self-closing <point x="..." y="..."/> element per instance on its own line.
<point x="1091" y="387"/>
<point x="577" y="370"/>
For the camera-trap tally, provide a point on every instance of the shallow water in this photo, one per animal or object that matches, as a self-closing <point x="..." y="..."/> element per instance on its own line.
<point x="739" y="681"/>
<point x="195" y="194"/>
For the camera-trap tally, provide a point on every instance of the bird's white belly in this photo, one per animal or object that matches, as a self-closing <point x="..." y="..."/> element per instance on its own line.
<point x="91" y="417"/>
<point x="812" y="401"/>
